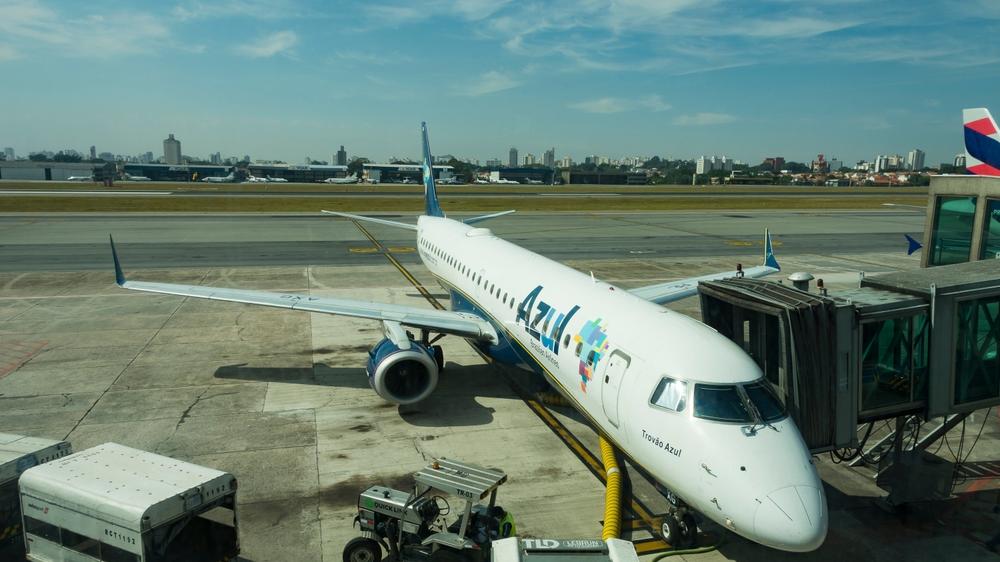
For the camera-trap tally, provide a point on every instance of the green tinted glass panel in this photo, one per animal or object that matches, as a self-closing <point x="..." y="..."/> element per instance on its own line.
<point x="893" y="362"/>
<point x="991" y="230"/>
<point x="951" y="239"/>
<point x="977" y="371"/>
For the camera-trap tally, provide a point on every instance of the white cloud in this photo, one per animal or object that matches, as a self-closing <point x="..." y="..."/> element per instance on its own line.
<point x="277" y="43"/>
<point x="704" y="119"/>
<point x="601" y="105"/>
<point x="8" y="53"/>
<point x="488" y="83"/>
<point x="29" y="25"/>
<point x="257" y="9"/>
<point x="651" y="102"/>
<point x="370" y="58"/>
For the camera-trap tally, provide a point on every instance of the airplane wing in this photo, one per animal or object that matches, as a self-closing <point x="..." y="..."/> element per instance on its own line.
<point x="442" y="321"/>
<point x="671" y="291"/>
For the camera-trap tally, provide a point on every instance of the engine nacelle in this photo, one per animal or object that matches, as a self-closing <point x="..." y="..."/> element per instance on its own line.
<point x="402" y="376"/>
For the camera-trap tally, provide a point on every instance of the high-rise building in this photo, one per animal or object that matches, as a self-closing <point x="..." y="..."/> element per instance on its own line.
<point x="341" y="158"/>
<point x="774" y="163"/>
<point x="106" y="156"/>
<point x="549" y="158"/>
<point x="836" y="164"/>
<point x="915" y="160"/>
<point x="171" y="150"/>
<point x="9" y="153"/>
<point x="512" y="158"/>
<point x="529" y="159"/>
<point x="93" y="152"/>
<point x="493" y="163"/>
<point x="215" y="158"/>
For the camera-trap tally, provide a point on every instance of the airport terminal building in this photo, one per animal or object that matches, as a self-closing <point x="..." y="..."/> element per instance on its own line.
<point x="55" y="171"/>
<point x="196" y="172"/>
<point x="401" y="173"/>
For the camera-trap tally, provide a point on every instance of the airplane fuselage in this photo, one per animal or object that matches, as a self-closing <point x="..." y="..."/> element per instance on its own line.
<point x="607" y="351"/>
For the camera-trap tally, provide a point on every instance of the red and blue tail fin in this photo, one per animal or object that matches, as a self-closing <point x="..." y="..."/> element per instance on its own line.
<point x="982" y="142"/>
<point x="432" y="208"/>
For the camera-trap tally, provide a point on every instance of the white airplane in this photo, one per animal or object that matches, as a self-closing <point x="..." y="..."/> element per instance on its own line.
<point x="480" y="181"/>
<point x="507" y="181"/>
<point x="276" y="180"/>
<point x="80" y="178"/>
<point x="407" y="181"/>
<point x="678" y="398"/>
<point x="534" y="182"/>
<point x="353" y="178"/>
<point x="220" y="179"/>
<point x="255" y="179"/>
<point x="130" y="177"/>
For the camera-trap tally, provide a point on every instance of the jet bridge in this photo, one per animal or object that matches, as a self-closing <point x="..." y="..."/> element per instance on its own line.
<point x="909" y="346"/>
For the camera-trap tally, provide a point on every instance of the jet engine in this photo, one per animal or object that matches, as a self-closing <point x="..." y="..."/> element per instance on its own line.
<point x="402" y="375"/>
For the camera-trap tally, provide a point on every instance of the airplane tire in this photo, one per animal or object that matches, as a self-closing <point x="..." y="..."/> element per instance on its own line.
<point x="688" y="528"/>
<point x="438" y="357"/>
<point x="361" y="549"/>
<point x="670" y="531"/>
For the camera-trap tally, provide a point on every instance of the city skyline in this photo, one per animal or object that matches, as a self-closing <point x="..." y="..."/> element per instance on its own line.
<point x="284" y="78"/>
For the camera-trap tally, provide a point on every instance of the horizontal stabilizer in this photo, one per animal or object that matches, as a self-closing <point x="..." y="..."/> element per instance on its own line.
<point x="481" y="218"/>
<point x="913" y="245"/>
<point x="372" y="219"/>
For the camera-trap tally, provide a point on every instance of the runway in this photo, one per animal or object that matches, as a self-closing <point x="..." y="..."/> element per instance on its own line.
<point x="72" y="243"/>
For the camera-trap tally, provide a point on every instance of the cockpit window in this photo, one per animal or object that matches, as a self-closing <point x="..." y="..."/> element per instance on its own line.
<point x="769" y="406"/>
<point x="670" y="394"/>
<point x="747" y="403"/>
<point x="720" y="402"/>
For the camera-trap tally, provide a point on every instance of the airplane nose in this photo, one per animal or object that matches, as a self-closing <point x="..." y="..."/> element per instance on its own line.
<point x="792" y="518"/>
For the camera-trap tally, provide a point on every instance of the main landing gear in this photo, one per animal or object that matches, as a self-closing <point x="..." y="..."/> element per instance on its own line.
<point x="679" y="527"/>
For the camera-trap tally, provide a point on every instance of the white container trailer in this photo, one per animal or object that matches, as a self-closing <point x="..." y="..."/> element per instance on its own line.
<point x="17" y="454"/>
<point x="119" y="504"/>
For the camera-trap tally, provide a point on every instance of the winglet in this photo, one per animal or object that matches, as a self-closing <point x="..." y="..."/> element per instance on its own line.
<point x="914" y="245"/>
<point x="119" y="275"/>
<point x="769" y="259"/>
<point x="432" y="208"/>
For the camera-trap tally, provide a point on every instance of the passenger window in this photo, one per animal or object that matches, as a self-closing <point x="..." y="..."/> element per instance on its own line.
<point x="670" y="394"/>
<point x="590" y="358"/>
<point x="566" y="341"/>
<point x="579" y="348"/>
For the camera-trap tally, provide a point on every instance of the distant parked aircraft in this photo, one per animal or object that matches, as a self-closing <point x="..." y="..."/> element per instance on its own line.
<point x="220" y="179"/>
<point x="276" y="180"/>
<point x="130" y="177"/>
<point x="353" y="178"/>
<point x="80" y="178"/>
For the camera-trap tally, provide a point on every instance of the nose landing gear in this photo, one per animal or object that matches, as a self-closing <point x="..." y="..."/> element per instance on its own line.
<point x="679" y="527"/>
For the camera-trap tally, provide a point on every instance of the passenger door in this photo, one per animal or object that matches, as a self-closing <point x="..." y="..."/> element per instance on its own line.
<point x="614" y="371"/>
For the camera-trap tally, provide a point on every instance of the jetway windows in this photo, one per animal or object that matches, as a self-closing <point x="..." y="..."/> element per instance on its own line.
<point x="991" y="230"/>
<point x="951" y="238"/>
<point x="894" y="354"/>
<point x="977" y="370"/>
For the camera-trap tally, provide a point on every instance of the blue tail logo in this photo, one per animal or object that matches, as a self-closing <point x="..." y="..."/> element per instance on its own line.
<point x="432" y="208"/>
<point x="914" y="245"/>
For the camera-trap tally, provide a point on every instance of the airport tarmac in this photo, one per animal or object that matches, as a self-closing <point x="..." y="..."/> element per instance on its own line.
<point x="280" y="398"/>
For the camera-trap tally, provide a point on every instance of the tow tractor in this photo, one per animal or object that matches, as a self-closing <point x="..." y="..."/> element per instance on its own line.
<point x="413" y="527"/>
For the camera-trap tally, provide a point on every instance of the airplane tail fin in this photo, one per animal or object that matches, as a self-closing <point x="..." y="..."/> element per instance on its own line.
<point x="913" y="245"/>
<point x="769" y="259"/>
<point x="432" y="208"/>
<point x="982" y="142"/>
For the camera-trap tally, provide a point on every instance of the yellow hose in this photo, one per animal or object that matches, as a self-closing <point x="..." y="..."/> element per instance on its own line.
<point x="612" y="492"/>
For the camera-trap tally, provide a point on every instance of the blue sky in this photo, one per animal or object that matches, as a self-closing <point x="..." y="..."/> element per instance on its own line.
<point x="288" y="79"/>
